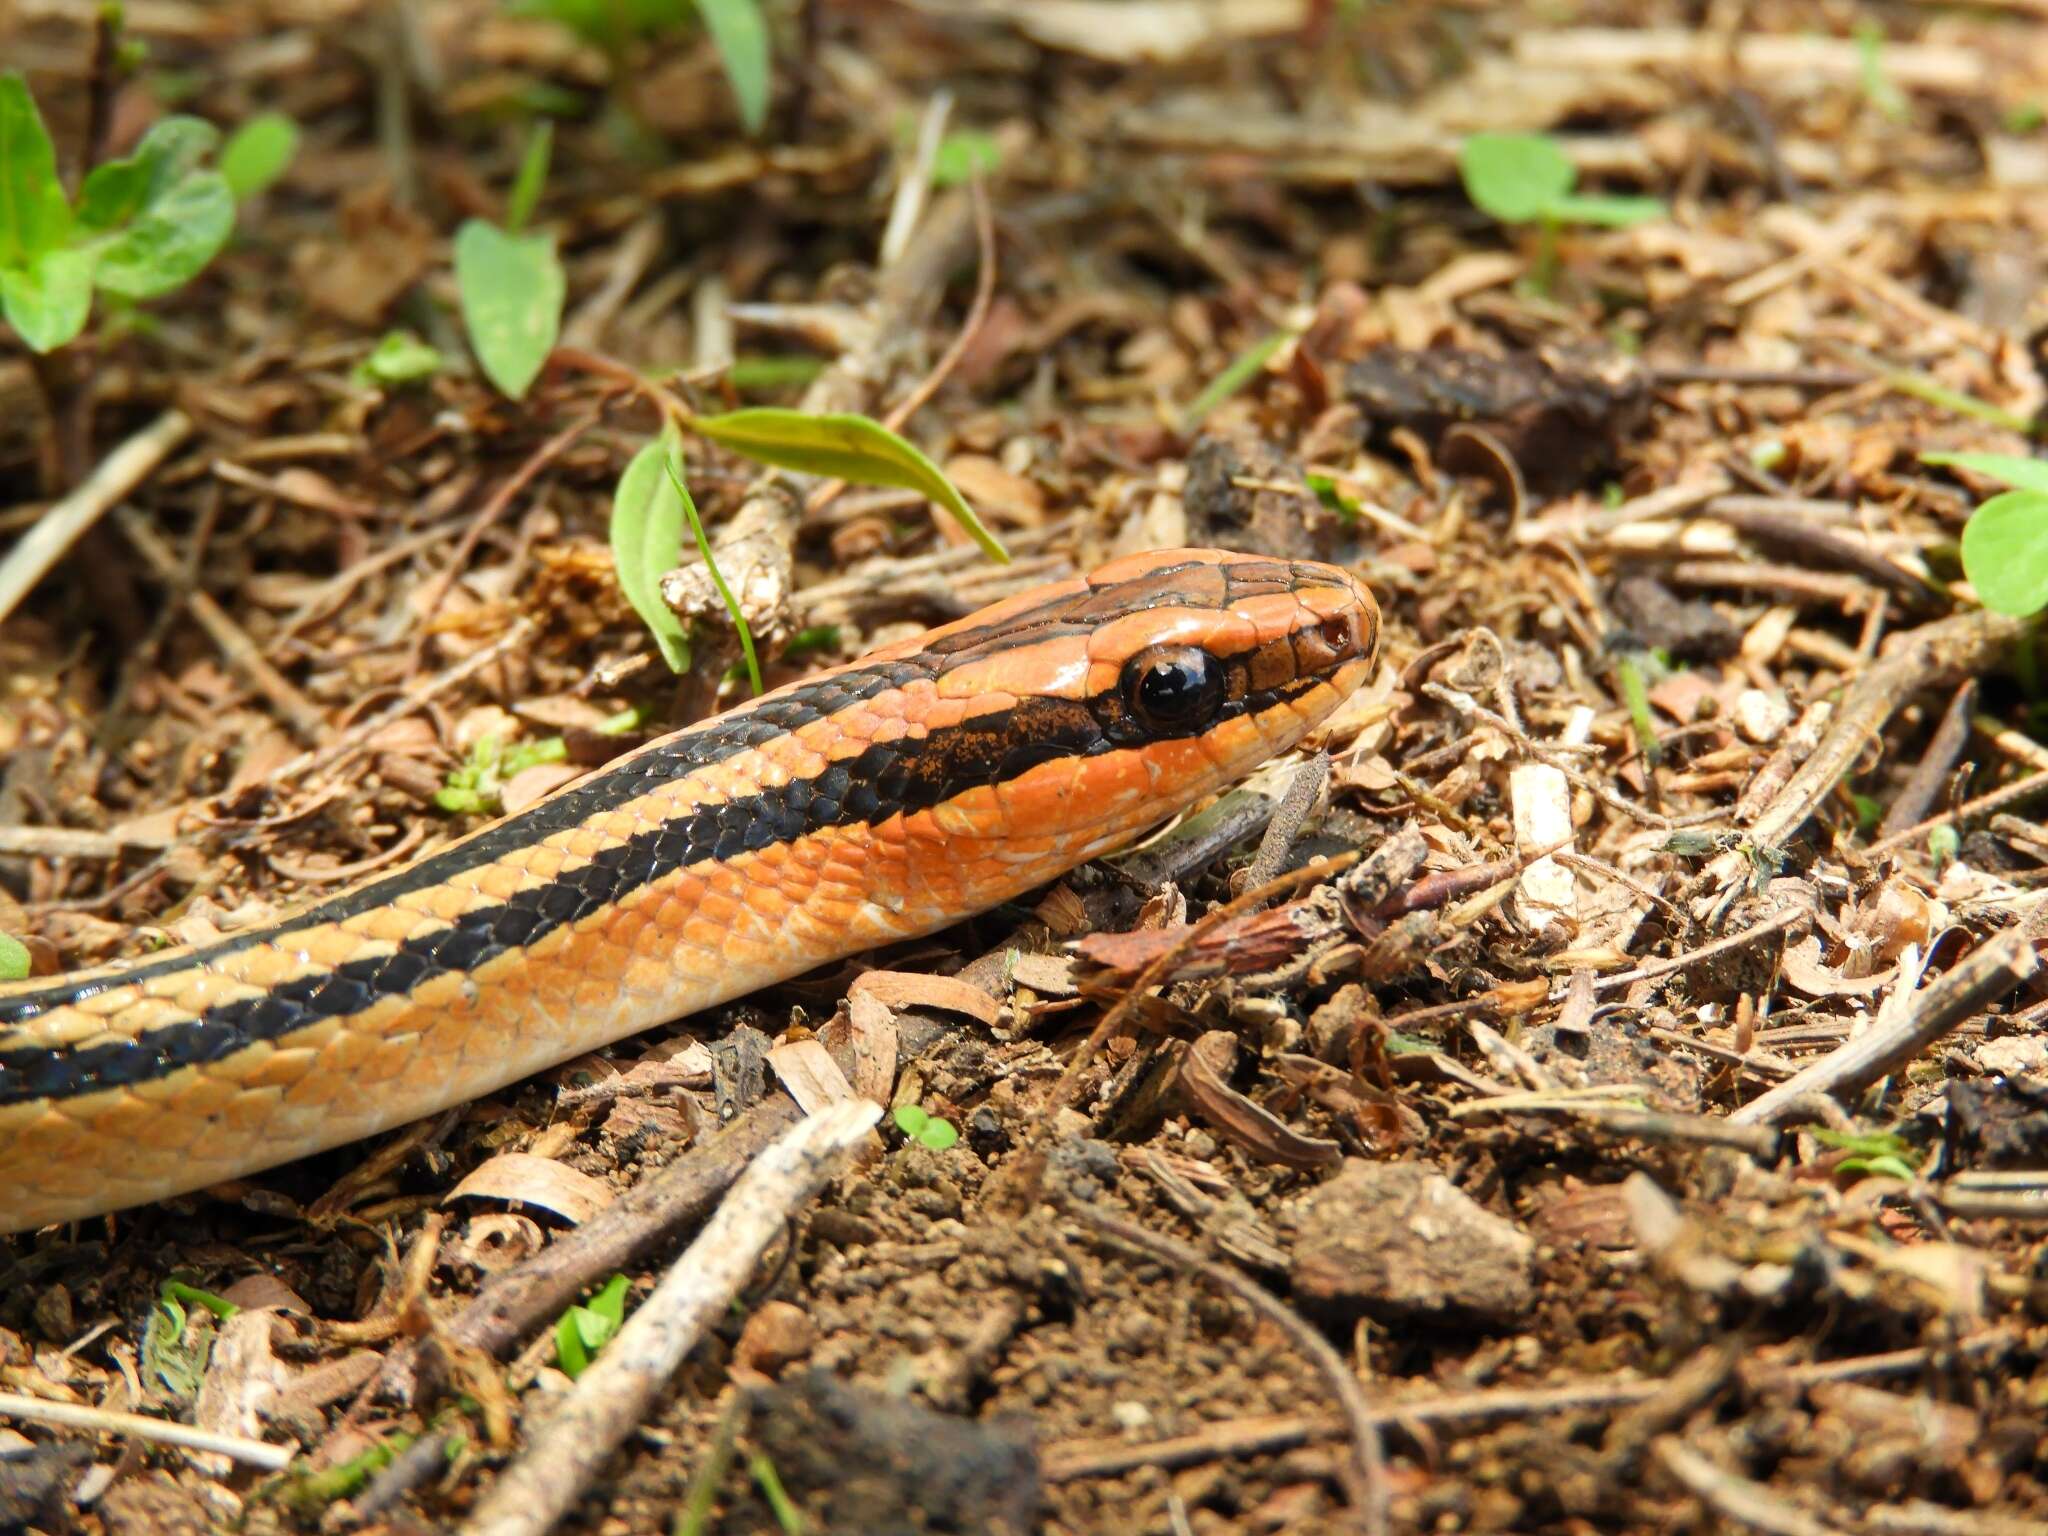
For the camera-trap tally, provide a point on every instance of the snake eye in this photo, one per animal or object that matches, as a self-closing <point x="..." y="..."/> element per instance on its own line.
<point x="1173" y="689"/>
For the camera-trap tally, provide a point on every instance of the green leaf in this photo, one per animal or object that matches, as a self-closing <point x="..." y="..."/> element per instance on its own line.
<point x="570" y="1354"/>
<point x="34" y="216"/>
<point x="48" y="300"/>
<point x="939" y="1134"/>
<point x="1237" y="373"/>
<point x="118" y="190"/>
<point x="846" y="448"/>
<point x="15" y="963"/>
<point x="964" y="154"/>
<point x="170" y="241"/>
<point x="610" y="1303"/>
<point x="533" y="175"/>
<point x="647" y="536"/>
<point x="398" y="358"/>
<point x="512" y="288"/>
<point x="740" y="34"/>
<point x="1515" y="177"/>
<point x="1611" y="212"/>
<point x="259" y="152"/>
<point x="732" y="604"/>
<point x="911" y="1119"/>
<point x="1331" y="495"/>
<point x="2005" y="552"/>
<point x="2016" y="470"/>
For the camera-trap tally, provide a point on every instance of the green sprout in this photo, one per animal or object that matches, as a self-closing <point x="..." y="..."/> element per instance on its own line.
<point x="582" y="1331"/>
<point x="1526" y="178"/>
<point x="925" y="1128"/>
<point x="477" y="788"/>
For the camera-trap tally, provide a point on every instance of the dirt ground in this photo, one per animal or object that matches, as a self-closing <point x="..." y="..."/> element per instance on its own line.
<point x="1633" y="1115"/>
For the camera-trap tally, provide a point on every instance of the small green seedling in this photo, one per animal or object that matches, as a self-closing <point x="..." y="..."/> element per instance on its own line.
<point x="1878" y="87"/>
<point x="171" y="1355"/>
<point x="1326" y="490"/>
<point x="1525" y="178"/>
<point x="963" y="155"/>
<point x="511" y="285"/>
<point x="583" y="1331"/>
<point x="1944" y="843"/>
<point x="258" y="153"/>
<point x="1877" y="1154"/>
<point x="15" y="961"/>
<point x="398" y="359"/>
<point x="477" y="788"/>
<point x="142" y="227"/>
<point x="2005" y="542"/>
<point x="925" y="1128"/>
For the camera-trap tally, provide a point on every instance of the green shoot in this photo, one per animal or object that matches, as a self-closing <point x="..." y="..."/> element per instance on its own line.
<point x="477" y="788"/>
<point x="925" y="1128"/>
<point x="1240" y="371"/>
<point x="1524" y="178"/>
<point x="143" y="226"/>
<point x="779" y="1502"/>
<point x="15" y="961"/>
<point x="258" y="153"/>
<point x="398" y="358"/>
<point x="512" y="285"/>
<point x="732" y="604"/>
<point x="583" y="1331"/>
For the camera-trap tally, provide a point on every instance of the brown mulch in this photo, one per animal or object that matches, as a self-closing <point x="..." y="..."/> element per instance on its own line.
<point x="1639" y="1118"/>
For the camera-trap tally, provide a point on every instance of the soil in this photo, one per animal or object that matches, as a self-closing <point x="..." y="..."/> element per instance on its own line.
<point x="1455" y="1185"/>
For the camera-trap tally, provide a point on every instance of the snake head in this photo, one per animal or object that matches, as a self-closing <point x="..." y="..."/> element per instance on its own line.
<point x="1119" y="698"/>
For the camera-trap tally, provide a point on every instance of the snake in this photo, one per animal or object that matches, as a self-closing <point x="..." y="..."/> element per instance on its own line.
<point x="883" y="800"/>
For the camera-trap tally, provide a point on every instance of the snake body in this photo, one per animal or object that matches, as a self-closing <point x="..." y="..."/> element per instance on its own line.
<point x="876" y="802"/>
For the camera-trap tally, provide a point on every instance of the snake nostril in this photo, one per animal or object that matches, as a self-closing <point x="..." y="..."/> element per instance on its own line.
<point x="1340" y="634"/>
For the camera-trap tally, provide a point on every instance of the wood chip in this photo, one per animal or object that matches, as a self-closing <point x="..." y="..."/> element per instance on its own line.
<point x="522" y="1178"/>
<point x="914" y="989"/>
<point x="810" y="1074"/>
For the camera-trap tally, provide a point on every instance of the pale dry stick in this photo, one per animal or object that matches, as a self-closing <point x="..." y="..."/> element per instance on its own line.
<point x="614" y="1395"/>
<point x="1070" y="1460"/>
<point x="1941" y="654"/>
<point x="1365" y="1476"/>
<point x="912" y="189"/>
<point x="119" y="473"/>
<point x="1784" y="918"/>
<point x="1922" y="1517"/>
<point x="136" y="1426"/>
<point x="1984" y="976"/>
<point x="67" y="843"/>
<point x="1736" y="1500"/>
<point x="233" y="642"/>
<point x="2014" y="744"/>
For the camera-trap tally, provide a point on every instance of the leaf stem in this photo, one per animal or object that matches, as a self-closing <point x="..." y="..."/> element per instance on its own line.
<point x="732" y="606"/>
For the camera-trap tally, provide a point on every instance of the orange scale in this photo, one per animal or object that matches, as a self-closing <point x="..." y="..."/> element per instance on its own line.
<point x="43" y="1139"/>
<point x="250" y="1111"/>
<point x="1056" y="668"/>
